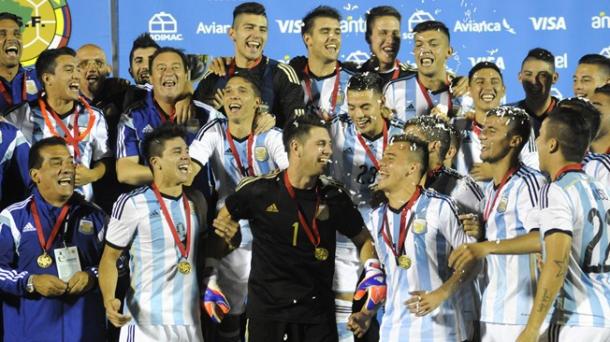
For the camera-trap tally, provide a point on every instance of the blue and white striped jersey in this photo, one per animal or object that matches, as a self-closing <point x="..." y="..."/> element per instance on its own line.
<point x="211" y="146"/>
<point x="578" y="205"/>
<point x="158" y="294"/>
<point x="597" y="165"/>
<point x="434" y="229"/>
<point x="13" y="148"/>
<point x="509" y="294"/>
<point x="28" y="118"/>
<point x="408" y="98"/>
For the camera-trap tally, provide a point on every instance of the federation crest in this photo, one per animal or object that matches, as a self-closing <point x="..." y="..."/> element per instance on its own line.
<point x="419" y="226"/>
<point x="502" y="205"/>
<point x="260" y="153"/>
<point x="85" y="227"/>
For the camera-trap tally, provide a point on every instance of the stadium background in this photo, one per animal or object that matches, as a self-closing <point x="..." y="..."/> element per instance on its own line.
<point x="498" y="31"/>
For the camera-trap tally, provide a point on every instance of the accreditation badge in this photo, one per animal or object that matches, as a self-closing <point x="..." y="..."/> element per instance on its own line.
<point x="419" y="226"/>
<point x="67" y="262"/>
<point x="260" y="153"/>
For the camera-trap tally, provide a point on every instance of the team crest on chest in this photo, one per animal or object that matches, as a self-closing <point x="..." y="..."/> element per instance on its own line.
<point x="30" y="87"/>
<point x="261" y="154"/>
<point x="419" y="226"/>
<point x="502" y="205"/>
<point x="85" y="227"/>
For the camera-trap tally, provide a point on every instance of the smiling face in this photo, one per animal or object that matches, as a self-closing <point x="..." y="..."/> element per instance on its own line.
<point x="586" y="78"/>
<point x="240" y="100"/>
<point x="173" y="164"/>
<point x="601" y="101"/>
<point x="431" y="51"/>
<point x="55" y="177"/>
<point x="93" y="68"/>
<point x="139" y="64"/>
<point x="323" y="40"/>
<point x="395" y="166"/>
<point x="495" y="139"/>
<point x="249" y="35"/>
<point x="537" y="77"/>
<point x="64" y="82"/>
<point x="486" y="89"/>
<point x="168" y="76"/>
<point x="364" y="108"/>
<point x="313" y="151"/>
<point x="385" y="39"/>
<point x="10" y="43"/>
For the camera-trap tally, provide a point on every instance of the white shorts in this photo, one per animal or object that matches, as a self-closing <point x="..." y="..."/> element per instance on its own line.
<point x="347" y="266"/>
<point x="233" y="274"/>
<point x="567" y="333"/>
<point x="495" y="332"/>
<point x="153" y="333"/>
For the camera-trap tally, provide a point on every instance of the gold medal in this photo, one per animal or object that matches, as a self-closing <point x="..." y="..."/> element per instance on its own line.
<point x="44" y="260"/>
<point x="404" y="262"/>
<point x="321" y="253"/>
<point x="184" y="267"/>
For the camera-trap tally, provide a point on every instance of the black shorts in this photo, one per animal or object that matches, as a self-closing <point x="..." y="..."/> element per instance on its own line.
<point x="262" y="330"/>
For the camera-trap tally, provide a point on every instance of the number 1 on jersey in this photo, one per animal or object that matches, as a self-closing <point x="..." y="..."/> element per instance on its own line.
<point x="295" y="233"/>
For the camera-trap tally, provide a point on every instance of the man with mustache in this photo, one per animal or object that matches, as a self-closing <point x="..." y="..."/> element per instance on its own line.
<point x="50" y="247"/>
<point x="593" y="71"/>
<point x="17" y="84"/>
<point x="281" y="89"/>
<point x="61" y="111"/>
<point x="537" y="76"/>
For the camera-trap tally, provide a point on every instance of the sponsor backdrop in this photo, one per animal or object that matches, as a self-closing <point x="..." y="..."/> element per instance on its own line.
<point x="498" y="31"/>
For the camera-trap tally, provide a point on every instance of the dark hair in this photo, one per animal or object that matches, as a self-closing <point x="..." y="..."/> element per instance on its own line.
<point x="376" y="12"/>
<point x="251" y="78"/>
<point x="168" y="49"/>
<point x="154" y="142"/>
<point x="595" y="59"/>
<point x="34" y="158"/>
<point x="419" y="147"/>
<point x="143" y="41"/>
<point x="518" y="121"/>
<point x="605" y="89"/>
<point x="318" y="12"/>
<point x="434" y="129"/>
<point x="366" y="81"/>
<point x="299" y="127"/>
<point x="10" y="16"/>
<point x="454" y="137"/>
<point x="571" y="130"/>
<point x="540" y="54"/>
<point x="587" y="110"/>
<point x="249" y="8"/>
<point x="45" y="64"/>
<point x="432" y="25"/>
<point x="484" y="65"/>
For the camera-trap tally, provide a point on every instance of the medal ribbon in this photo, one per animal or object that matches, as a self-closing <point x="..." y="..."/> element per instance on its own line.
<point x="368" y="151"/>
<point x="184" y="251"/>
<point x="71" y="138"/>
<point x="242" y="171"/>
<point x="333" y="96"/>
<point x="7" y="94"/>
<point x="312" y="232"/>
<point x="490" y="205"/>
<point x="568" y="168"/>
<point x="428" y="99"/>
<point x="403" y="228"/>
<point x="46" y="245"/>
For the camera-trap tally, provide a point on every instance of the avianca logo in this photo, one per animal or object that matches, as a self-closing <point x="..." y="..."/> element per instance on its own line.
<point x="601" y="21"/>
<point x="212" y="28"/>
<point x="483" y="26"/>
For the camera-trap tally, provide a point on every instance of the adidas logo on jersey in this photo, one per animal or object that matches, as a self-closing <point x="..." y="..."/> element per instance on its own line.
<point x="410" y="107"/>
<point x="28" y="228"/>
<point x="272" y="208"/>
<point x="147" y="129"/>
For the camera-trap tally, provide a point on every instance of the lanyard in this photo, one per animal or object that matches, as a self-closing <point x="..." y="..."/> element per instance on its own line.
<point x="490" y="205"/>
<point x="333" y="96"/>
<point x="403" y="228"/>
<point x="428" y="99"/>
<point x="71" y="138"/>
<point x="311" y="231"/>
<point x="46" y="245"/>
<point x="184" y="251"/>
<point x="8" y="95"/>
<point x="368" y="151"/>
<point x="242" y="171"/>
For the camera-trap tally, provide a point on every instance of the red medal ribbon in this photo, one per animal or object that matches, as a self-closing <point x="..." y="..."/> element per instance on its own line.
<point x="476" y="128"/>
<point x="232" y="66"/>
<point x="46" y="245"/>
<point x="490" y="205"/>
<point x="368" y="151"/>
<point x="160" y="111"/>
<point x="312" y="232"/>
<point x="242" y="171"/>
<point x="7" y="94"/>
<point x="404" y="227"/>
<point x="551" y="106"/>
<point x="184" y="251"/>
<point x="333" y="96"/>
<point x="428" y="99"/>
<point x="396" y="70"/>
<point x="608" y="150"/>
<point x="71" y="138"/>
<point x="567" y="168"/>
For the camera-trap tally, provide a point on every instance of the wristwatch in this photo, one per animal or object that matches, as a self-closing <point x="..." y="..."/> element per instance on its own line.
<point x="29" y="286"/>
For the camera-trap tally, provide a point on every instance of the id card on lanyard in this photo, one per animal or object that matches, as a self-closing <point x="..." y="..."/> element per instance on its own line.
<point x="66" y="258"/>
